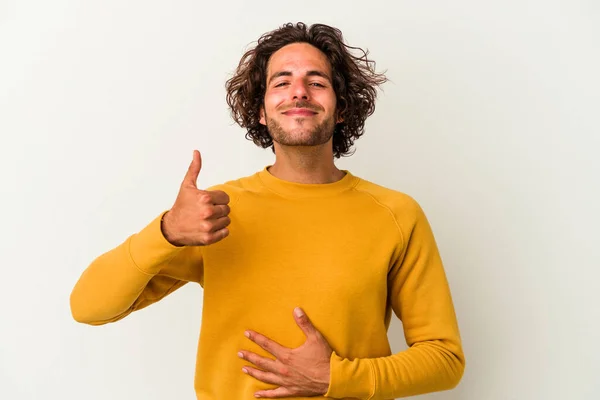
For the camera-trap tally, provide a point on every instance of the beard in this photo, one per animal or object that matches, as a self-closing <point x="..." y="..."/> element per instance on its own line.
<point x="301" y="134"/>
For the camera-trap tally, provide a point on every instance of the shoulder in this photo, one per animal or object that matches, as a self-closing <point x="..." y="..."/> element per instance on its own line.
<point x="235" y="188"/>
<point x="405" y="209"/>
<point x="407" y="212"/>
<point x="394" y="199"/>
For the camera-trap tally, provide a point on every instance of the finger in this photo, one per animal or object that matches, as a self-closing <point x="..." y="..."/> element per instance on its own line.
<point x="304" y="322"/>
<point x="214" y="237"/>
<point x="219" y="223"/>
<point x="193" y="171"/>
<point x="217" y="197"/>
<point x="263" y="376"/>
<point x="218" y="211"/>
<point x="266" y="364"/>
<point x="212" y="212"/>
<point x="275" y="393"/>
<point x="267" y="344"/>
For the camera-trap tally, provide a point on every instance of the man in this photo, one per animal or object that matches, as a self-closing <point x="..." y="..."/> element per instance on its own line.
<point x="302" y="264"/>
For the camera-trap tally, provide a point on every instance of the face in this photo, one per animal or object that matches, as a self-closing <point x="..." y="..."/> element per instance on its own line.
<point x="300" y="103"/>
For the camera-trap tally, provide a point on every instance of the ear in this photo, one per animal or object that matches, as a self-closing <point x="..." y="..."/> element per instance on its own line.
<point x="339" y="118"/>
<point x="262" y="116"/>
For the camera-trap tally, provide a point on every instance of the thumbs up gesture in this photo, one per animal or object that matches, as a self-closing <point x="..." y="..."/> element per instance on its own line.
<point x="198" y="217"/>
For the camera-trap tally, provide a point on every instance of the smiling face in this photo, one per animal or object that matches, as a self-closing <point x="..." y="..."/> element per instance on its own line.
<point x="300" y="103"/>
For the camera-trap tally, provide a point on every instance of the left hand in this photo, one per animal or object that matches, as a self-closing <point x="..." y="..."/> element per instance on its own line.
<point x="300" y="372"/>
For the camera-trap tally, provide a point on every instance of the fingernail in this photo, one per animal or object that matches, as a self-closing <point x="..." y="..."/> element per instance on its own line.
<point x="245" y="370"/>
<point x="298" y="312"/>
<point x="247" y="334"/>
<point x="240" y="354"/>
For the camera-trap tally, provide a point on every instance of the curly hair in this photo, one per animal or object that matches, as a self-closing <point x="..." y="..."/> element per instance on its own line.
<point x="354" y="78"/>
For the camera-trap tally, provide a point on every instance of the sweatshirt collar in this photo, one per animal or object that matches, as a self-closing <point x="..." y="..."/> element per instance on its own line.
<point x="303" y="190"/>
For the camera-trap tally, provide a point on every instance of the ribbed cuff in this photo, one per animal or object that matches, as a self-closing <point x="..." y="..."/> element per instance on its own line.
<point x="350" y="378"/>
<point x="149" y="249"/>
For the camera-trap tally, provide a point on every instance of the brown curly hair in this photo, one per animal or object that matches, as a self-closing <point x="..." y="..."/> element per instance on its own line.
<point x="355" y="83"/>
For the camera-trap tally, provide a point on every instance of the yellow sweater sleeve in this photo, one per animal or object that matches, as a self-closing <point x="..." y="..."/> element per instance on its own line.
<point x="420" y="296"/>
<point x="140" y="271"/>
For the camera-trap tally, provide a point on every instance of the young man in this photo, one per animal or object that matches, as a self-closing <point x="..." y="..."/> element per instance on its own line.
<point x="302" y="264"/>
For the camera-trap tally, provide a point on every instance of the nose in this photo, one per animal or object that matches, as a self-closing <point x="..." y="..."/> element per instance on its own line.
<point x="299" y="90"/>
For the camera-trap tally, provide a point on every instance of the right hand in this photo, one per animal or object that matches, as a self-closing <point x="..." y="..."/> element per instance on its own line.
<point x="198" y="217"/>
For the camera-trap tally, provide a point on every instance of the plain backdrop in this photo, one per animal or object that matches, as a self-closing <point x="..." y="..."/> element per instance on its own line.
<point x="490" y="120"/>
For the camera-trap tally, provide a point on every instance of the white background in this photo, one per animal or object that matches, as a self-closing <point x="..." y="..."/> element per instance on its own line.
<point x="491" y="121"/>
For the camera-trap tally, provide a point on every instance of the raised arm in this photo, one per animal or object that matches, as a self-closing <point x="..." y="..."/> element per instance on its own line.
<point x="155" y="261"/>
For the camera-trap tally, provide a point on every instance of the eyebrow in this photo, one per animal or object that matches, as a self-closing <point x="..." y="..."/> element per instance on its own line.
<point x="309" y="73"/>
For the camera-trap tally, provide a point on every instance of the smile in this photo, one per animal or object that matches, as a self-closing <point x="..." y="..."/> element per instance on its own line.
<point x="299" y="113"/>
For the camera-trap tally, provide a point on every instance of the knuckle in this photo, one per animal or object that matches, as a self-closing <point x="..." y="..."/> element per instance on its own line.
<point x="205" y="199"/>
<point x="206" y="226"/>
<point x="286" y="358"/>
<point x="207" y="213"/>
<point x="207" y="238"/>
<point x="265" y="344"/>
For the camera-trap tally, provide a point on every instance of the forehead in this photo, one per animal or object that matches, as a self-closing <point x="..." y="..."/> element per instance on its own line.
<point x="298" y="57"/>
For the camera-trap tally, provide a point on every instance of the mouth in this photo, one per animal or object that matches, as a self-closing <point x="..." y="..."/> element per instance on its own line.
<point x="299" y="112"/>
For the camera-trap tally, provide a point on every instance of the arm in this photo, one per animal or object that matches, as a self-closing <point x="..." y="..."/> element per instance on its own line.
<point x="420" y="296"/>
<point x="138" y="272"/>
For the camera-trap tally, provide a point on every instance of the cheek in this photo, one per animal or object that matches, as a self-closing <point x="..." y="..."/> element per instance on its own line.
<point x="274" y="100"/>
<point x="272" y="104"/>
<point x="333" y="100"/>
<point x="327" y="100"/>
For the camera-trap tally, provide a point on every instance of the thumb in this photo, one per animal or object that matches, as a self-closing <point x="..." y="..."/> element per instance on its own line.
<point x="304" y="322"/>
<point x="193" y="170"/>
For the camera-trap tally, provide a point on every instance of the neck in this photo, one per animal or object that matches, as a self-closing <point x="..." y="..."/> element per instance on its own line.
<point x="308" y="164"/>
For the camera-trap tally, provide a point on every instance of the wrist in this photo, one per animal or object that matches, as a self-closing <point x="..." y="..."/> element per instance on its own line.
<point x="166" y="231"/>
<point x="325" y="379"/>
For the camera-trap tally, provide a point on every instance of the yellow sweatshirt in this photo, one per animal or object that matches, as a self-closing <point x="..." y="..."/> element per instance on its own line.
<point x="349" y="253"/>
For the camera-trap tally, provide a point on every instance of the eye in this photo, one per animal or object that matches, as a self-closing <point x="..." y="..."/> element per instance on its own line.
<point x="281" y="84"/>
<point x="317" y="84"/>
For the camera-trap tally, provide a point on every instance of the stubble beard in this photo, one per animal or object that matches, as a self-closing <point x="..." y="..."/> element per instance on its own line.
<point x="301" y="136"/>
